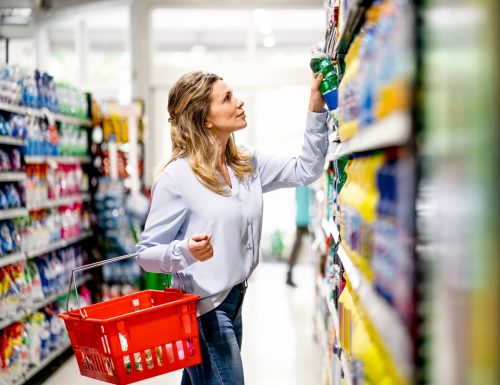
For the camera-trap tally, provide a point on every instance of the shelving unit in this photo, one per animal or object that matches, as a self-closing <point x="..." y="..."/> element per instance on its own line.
<point x="59" y="159"/>
<point x="82" y="197"/>
<point x="383" y="321"/>
<point x="43" y="113"/>
<point x="57" y="245"/>
<point x="11" y="258"/>
<point x="12" y="176"/>
<point x="395" y="130"/>
<point x="12" y="141"/>
<point x="38" y="305"/>
<point x="33" y="370"/>
<point x="27" y="253"/>
<point x="13" y="213"/>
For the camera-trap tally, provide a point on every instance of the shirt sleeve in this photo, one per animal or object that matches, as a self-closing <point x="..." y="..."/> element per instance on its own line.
<point x="284" y="171"/>
<point x="160" y="248"/>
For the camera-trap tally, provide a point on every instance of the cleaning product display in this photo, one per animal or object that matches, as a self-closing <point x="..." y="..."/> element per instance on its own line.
<point x="369" y="183"/>
<point x="43" y="216"/>
<point x="33" y="89"/>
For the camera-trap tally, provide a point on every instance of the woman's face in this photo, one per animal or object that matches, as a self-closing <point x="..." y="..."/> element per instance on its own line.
<point x="226" y="113"/>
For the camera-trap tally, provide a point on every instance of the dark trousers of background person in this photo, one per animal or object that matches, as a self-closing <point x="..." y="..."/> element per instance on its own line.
<point x="300" y="232"/>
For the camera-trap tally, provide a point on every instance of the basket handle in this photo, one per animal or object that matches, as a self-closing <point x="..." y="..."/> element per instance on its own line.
<point x="97" y="264"/>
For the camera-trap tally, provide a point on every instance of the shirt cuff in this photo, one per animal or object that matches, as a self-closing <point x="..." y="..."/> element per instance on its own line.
<point x="316" y="121"/>
<point x="181" y="250"/>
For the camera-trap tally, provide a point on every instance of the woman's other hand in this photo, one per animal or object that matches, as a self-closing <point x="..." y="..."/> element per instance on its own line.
<point x="316" y="101"/>
<point x="200" y="247"/>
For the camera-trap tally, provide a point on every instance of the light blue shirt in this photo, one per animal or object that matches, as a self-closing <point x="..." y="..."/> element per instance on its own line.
<point x="181" y="206"/>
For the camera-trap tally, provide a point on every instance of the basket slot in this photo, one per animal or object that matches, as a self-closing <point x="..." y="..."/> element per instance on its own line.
<point x="170" y="353"/>
<point x="159" y="355"/>
<point x="101" y="365"/>
<point x="149" y="359"/>
<point x="180" y="350"/>
<point x="128" y="364"/>
<point x="138" y="361"/>
<point x="110" y="368"/>
<point x="123" y="341"/>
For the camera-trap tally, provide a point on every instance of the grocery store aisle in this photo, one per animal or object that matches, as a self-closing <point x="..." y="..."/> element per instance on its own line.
<point x="278" y="333"/>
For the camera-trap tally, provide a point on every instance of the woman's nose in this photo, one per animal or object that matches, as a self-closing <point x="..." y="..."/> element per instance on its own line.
<point x="240" y="103"/>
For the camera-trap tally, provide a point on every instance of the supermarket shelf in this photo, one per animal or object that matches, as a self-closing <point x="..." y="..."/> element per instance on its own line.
<point x="333" y="136"/>
<point x="35" y="159"/>
<point x="394" y="130"/>
<point x="84" y="197"/>
<point x="40" y="304"/>
<point x="42" y="114"/>
<point x="32" y="370"/>
<point x="14" y="257"/>
<point x="12" y="176"/>
<point x="346" y="368"/>
<point x="58" y="244"/>
<point x="13" y="213"/>
<point x="330" y="228"/>
<point x="12" y="141"/>
<point x="354" y="21"/>
<point x="323" y="287"/>
<point x="384" y="318"/>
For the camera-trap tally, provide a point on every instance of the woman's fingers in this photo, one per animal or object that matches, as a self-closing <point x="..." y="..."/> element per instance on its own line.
<point x="200" y="246"/>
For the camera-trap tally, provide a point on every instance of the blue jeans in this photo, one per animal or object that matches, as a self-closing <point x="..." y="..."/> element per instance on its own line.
<point x="221" y="332"/>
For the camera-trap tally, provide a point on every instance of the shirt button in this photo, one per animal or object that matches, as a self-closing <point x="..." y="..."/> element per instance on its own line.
<point x="249" y="245"/>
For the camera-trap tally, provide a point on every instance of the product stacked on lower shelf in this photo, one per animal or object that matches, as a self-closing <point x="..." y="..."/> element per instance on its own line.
<point x="31" y="296"/>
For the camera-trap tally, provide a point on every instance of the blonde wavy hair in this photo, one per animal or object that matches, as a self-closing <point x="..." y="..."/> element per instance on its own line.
<point x="188" y="107"/>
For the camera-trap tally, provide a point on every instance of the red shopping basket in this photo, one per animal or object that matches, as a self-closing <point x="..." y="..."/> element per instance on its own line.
<point x="134" y="337"/>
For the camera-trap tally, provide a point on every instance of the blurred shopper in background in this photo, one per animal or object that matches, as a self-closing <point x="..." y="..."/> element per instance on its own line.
<point x="205" y="220"/>
<point x="302" y="219"/>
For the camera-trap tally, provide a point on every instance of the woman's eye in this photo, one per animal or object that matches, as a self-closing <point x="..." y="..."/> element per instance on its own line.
<point x="227" y="98"/>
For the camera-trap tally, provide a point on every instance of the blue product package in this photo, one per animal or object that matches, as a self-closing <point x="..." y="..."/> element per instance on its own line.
<point x="3" y="200"/>
<point x="13" y="198"/>
<point x="3" y="127"/>
<point x="6" y="238"/>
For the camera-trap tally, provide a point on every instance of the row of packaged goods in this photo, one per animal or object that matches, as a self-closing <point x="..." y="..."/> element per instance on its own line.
<point x="49" y="181"/>
<point x="26" y="285"/>
<point x="364" y="350"/>
<point x="35" y="89"/>
<point x="43" y="227"/>
<point x="379" y="68"/>
<point x="370" y="196"/>
<point x="44" y="139"/>
<point x="44" y="182"/>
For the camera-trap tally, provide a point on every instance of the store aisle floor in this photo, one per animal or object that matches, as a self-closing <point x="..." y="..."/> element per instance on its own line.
<point x="278" y="334"/>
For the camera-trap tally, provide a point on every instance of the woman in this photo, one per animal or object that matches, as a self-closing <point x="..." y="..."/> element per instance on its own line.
<point x="205" y="219"/>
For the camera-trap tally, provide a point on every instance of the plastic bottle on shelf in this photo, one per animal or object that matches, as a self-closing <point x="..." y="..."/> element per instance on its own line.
<point x="321" y="63"/>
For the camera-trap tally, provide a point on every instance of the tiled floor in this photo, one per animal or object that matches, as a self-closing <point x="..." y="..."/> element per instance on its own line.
<point x="278" y="334"/>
